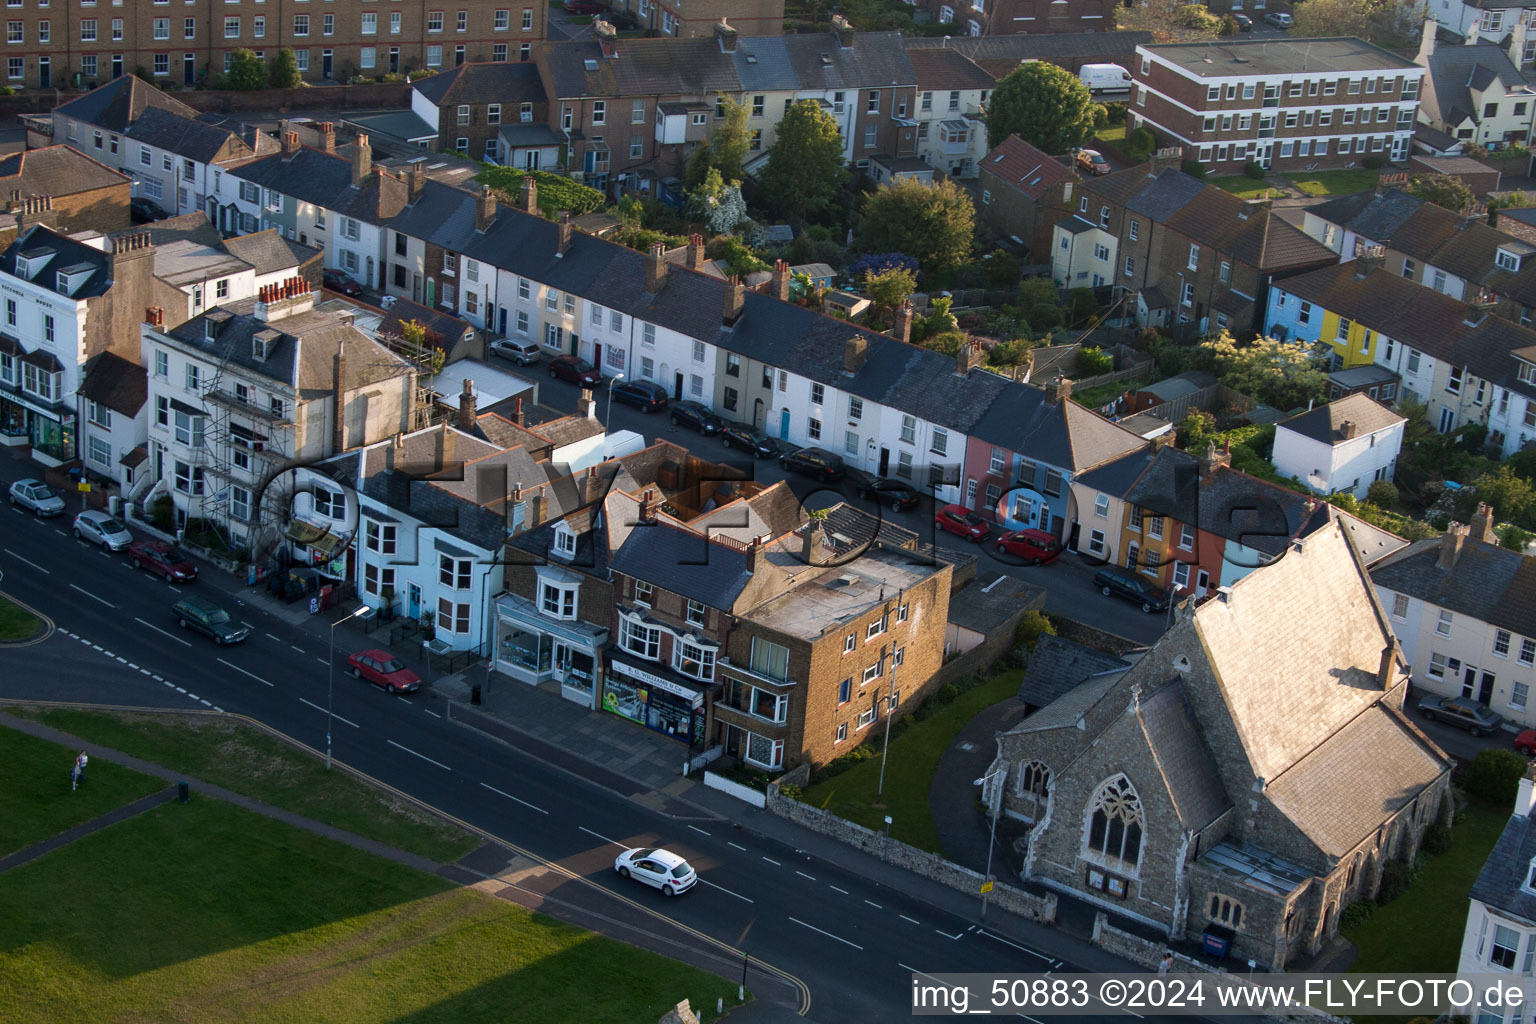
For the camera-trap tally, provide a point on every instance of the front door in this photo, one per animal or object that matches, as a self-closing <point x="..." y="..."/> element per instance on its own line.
<point x="326" y="60"/>
<point x="1485" y="692"/>
<point x="189" y="69"/>
<point x="413" y="601"/>
<point x="394" y="60"/>
<point x="502" y="321"/>
<point x="44" y="73"/>
<point x="677" y="392"/>
<point x="783" y="419"/>
<point x="757" y="412"/>
<point x="562" y="659"/>
<point x="885" y="462"/>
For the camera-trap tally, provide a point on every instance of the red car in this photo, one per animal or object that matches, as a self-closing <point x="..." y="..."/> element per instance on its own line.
<point x="162" y="559"/>
<point x="1525" y="743"/>
<point x="384" y="670"/>
<point x="962" y="522"/>
<point x="576" y="370"/>
<point x="336" y="281"/>
<point x="1035" y="546"/>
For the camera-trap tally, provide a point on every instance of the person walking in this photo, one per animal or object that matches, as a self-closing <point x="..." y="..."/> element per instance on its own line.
<point x="79" y="773"/>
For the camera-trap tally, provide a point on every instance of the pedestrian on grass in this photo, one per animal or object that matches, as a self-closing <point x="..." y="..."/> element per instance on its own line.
<point x="80" y="763"/>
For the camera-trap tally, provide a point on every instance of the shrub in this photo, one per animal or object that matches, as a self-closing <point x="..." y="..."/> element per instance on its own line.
<point x="1254" y="170"/>
<point x="1382" y="493"/>
<point x="1139" y="142"/>
<point x="1495" y="776"/>
<point x="1194" y="168"/>
<point x="1437" y="840"/>
<point x="1092" y="361"/>
<point x="790" y="790"/>
<point x="1115" y="112"/>
<point x="163" y="513"/>
<point x="1045" y="316"/>
<point x="1356" y="914"/>
<point x="1031" y="628"/>
<point x="1396" y="877"/>
<point x="1372" y="162"/>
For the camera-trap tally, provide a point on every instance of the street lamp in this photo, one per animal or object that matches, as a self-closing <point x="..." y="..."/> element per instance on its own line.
<point x="991" y="836"/>
<point x="330" y="686"/>
<point x="608" y="414"/>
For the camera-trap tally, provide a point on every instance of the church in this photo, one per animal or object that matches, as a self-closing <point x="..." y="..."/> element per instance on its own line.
<point x="1247" y="777"/>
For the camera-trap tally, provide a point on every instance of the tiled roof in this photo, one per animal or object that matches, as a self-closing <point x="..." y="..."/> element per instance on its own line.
<point x="1501" y="882"/>
<point x="181" y="135"/>
<point x="1454" y="71"/>
<point x="119" y="102"/>
<point x="1326" y="422"/>
<point x="946" y="69"/>
<point x="1057" y="665"/>
<point x="269" y="252"/>
<point x="1181" y="756"/>
<point x="55" y="171"/>
<point x="1170" y="486"/>
<point x="114" y="382"/>
<point x="499" y="82"/>
<point x="1486" y="582"/>
<point x="1255" y="513"/>
<point x="325" y="179"/>
<point x="683" y="562"/>
<point x="1023" y="167"/>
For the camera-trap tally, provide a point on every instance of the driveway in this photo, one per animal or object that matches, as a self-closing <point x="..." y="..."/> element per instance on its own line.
<point x="1459" y="743"/>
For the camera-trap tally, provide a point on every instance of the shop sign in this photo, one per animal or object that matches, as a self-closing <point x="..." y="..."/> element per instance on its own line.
<point x="694" y="698"/>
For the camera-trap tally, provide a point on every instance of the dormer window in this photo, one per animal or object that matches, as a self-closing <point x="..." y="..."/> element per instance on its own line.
<point x="32" y="262"/>
<point x="1527" y="373"/>
<point x="1506" y="260"/>
<point x="70" y="279"/>
<point x="564" y="541"/>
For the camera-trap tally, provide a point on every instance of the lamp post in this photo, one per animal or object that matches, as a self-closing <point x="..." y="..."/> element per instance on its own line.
<point x="330" y="686"/>
<point x="608" y="414"/>
<point x="992" y="835"/>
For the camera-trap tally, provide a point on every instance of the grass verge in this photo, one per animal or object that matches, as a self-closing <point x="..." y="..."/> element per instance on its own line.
<point x="207" y="912"/>
<point x="248" y="761"/>
<point x="1244" y="187"/>
<point x="36" y="802"/>
<point x="909" y="768"/>
<point x="1335" y="183"/>
<point x="16" y="623"/>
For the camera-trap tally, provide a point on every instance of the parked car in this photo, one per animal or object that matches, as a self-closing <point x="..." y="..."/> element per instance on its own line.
<point x="145" y="211"/>
<point x="383" y="670"/>
<point x="1462" y="712"/>
<point x="1525" y="743"/>
<point x="162" y="559"/>
<point x="642" y="394"/>
<point x="1105" y="78"/>
<point x="1093" y="162"/>
<point x="336" y="281"/>
<point x="1034" y="546"/>
<point x="100" y="528"/>
<point x="696" y="416"/>
<point x="576" y="370"/>
<point x="816" y="462"/>
<point x="209" y="619"/>
<point x="519" y="350"/>
<point x="36" y="497"/>
<point x="1244" y="23"/>
<point x="749" y="439"/>
<point x="896" y="494"/>
<point x="1279" y="19"/>
<point x="1127" y="585"/>
<point x="660" y="869"/>
<point x="962" y="522"/>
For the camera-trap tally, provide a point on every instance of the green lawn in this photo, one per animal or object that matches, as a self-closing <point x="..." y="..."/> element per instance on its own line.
<point x="1111" y="133"/>
<point x="909" y="768"/>
<point x="248" y="761"/>
<point x="36" y="801"/>
<point x="1335" y="183"/>
<point x="1420" y="932"/>
<point x="16" y="623"/>
<point x="1243" y="187"/>
<point x="205" y="912"/>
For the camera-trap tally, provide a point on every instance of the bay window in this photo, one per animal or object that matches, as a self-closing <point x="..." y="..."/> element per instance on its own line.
<point x="639" y="638"/>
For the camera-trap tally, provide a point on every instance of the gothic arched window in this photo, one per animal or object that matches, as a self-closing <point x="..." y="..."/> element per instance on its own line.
<point x="1034" y="789"/>
<point x="1115" y="822"/>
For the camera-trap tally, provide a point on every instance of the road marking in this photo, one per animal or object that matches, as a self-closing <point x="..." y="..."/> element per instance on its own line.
<point x="514" y="799"/>
<point x="424" y="757"/>
<point x="176" y="688"/>
<point x="120" y="659"/>
<point x="162" y="632"/>
<point x="743" y="849"/>
<point x="775" y="863"/>
<point x="836" y="889"/>
<point x="333" y="714"/>
<point x="218" y="709"/>
<point x="1015" y="945"/>
<point x="904" y="917"/>
<point x="434" y="714"/>
<point x="146" y="672"/>
<point x="828" y="934"/>
<point x="269" y="636"/>
<point x="92" y="596"/>
<point x="874" y="904"/>
<point x="728" y="892"/>
<point x="24" y="561"/>
<point x="321" y="660"/>
<point x="297" y="648"/>
<point x="802" y="874"/>
<point x="242" y="671"/>
<point x="698" y="830"/>
<point x="604" y="838"/>
<point x="970" y="929"/>
<point x="193" y="695"/>
<point x="206" y="703"/>
<point x="957" y="936"/>
<point x="402" y="700"/>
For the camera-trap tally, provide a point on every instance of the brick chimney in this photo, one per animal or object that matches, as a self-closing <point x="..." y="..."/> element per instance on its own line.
<point x="447" y="443"/>
<point x="1214" y="459"/>
<point x="587" y="405"/>
<point x="903" y="329"/>
<point x="694" y="255"/>
<point x="970" y="356"/>
<point x="592" y="489"/>
<point x="362" y="160"/>
<point x="485" y="208"/>
<point x="530" y="195"/>
<point x="656" y="268"/>
<point x="339" y="398"/>
<point x="1451" y="541"/>
<point x="1386" y="671"/>
<point x="779" y="287"/>
<point x="563" y="238"/>
<point x="517" y="413"/>
<point x="855" y="353"/>
<point x="155" y="317"/>
<point x="1058" y="390"/>
<point x="735" y="298"/>
<point x="392" y="451"/>
<point x="725" y="36"/>
<point x="36" y="210"/>
<point x="290" y="144"/>
<point x="275" y="301"/>
<point x="466" y="417"/>
<point x="648" y="507"/>
<point x="607" y="37"/>
<point x="1482" y="524"/>
<point x="1348" y="429"/>
<point x="327" y="137"/>
<point x="415" y="181"/>
<point x="843" y="30"/>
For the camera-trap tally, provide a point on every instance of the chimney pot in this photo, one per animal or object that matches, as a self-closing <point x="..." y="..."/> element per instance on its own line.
<point x="1482" y="524"/>
<point x="530" y="195"/>
<point x="735" y="299"/>
<point x="517" y="413"/>
<point x="564" y="242"/>
<point x="904" y="317"/>
<point x="656" y="269"/>
<point x="780" y="286"/>
<point x="695" y="252"/>
<point x="1450" y="545"/>
<point x="485" y="208"/>
<point x="970" y="357"/>
<point x="467" y="407"/>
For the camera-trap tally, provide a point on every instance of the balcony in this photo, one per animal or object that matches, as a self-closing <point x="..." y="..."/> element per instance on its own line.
<point x="232" y="402"/>
<point x="750" y="675"/>
<point x="730" y="714"/>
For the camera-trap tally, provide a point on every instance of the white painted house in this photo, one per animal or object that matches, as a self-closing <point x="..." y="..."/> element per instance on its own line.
<point x="1346" y="445"/>
<point x="1500" y="935"/>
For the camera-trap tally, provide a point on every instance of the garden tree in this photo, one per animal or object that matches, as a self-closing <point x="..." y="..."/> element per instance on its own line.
<point x="285" y="71"/>
<point x="1169" y="21"/>
<point x="935" y="223"/>
<point x="246" y="72"/>
<point x="737" y="254"/>
<point x="1002" y="269"/>
<point x="888" y="289"/>
<point x="718" y="204"/>
<point x="1081" y="305"/>
<point x="1382" y="494"/>
<point x="1280" y="373"/>
<point x="1092" y="361"/>
<point x="698" y="168"/>
<point x="1511" y="496"/>
<point x="939" y="320"/>
<point x="556" y="191"/>
<point x="1042" y="104"/>
<point x="1442" y="190"/>
<point x="947" y="342"/>
<point x="1383" y="22"/>
<point x="805" y="166"/>
<point x="730" y="140"/>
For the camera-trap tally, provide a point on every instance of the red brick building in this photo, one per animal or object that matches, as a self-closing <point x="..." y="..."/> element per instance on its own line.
<point x="1024" y="192"/>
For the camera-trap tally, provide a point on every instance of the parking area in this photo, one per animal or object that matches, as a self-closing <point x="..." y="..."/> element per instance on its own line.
<point x="1459" y="743"/>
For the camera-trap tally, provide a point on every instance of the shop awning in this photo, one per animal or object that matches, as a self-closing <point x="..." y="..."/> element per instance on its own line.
<point x="511" y="608"/>
<point x="318" y="538"/>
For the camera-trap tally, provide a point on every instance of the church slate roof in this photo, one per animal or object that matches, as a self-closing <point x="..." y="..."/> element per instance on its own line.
<point x="1188" y="771"/>
<point x="1057" y="665"/>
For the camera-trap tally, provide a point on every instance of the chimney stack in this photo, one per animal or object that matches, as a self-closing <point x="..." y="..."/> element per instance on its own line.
<point x="415" y="181"/>
<point x="485" y="208"/>
<point x="725" y="36"/>
<point x="362" y="160"/>
<point x="1451" y="541"/>
<point x="694" y="259"/>
<point x="844" y="31"/>
<point x="587" y="405"/>
<point x="338" y="398"/>
<point x="1386" y="672"/>
<point x="1214" y="459"/>
<point x="155" y="317"/>
<point x="394" y="446"/>
<point x="327" y="137"/>
<point x="467" y="407"/>
<point x="1482" y="524"/>
<point x="970" y="356"/>
<point x="530" y="195"/>
<point x="563" y="242"/>
<point x="904" y="316"/>
<point x="592" y="492"/>
<point x="810" y="543"/>
<point x="855" y="352"/>
<point x="607" y="37"/>
<point x="448" y="441"/>
<point x="648" y="507"/>
<point x="780" y="286"/>
<point x="517" y="413"/>
<point x="735" y="297"/>
<point x="1349" y="429"/>
<point x="656" y="268"/>
<point x="290" y="144"/>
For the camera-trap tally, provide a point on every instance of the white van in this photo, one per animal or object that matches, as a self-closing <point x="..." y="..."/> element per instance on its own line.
<point x="1105" y="78"/>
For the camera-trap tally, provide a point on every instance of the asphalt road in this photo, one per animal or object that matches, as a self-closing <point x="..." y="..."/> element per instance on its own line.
<point x="852" y="941"/>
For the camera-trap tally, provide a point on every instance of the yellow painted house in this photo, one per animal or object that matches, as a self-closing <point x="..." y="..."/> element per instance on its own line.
<point x="1344" y="308"/>
<point x="1353" y="343"/>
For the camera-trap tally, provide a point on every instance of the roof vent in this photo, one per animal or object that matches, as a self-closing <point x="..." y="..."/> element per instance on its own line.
<point x="591" y="64"/>
<point x="751" y="58"/>
<point x="826" y="61"/>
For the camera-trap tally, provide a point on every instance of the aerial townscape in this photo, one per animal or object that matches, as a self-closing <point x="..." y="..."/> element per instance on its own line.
<point x="683" y="510"/>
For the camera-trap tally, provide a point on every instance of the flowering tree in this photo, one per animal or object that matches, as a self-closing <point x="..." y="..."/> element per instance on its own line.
<point x="719" y="205"/>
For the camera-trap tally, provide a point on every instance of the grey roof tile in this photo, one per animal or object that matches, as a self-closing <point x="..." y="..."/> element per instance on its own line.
<point x="1501" y="882"/>
<point x="1326" y="422"/>
<point x="1188" y="770"/>
<point x="1057" y="665"/>
<point x="1486" y="582"/>
<point x="684" y="563"/>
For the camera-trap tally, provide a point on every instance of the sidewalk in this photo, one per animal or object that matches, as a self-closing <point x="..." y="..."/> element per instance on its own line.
<point x="952" y="795"/>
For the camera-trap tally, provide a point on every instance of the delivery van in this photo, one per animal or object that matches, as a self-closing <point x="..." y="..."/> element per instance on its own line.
<point x="1105" y="78"/>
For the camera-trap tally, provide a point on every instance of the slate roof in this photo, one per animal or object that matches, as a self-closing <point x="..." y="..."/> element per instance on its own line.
<point x="116" y="383"/>
<point x="1486" y="582"/>
<point x="1170" y="486"/>
<point x="763" y="64"/>
<point x="1024" y="168"/>
<point x="477" y="83"/>
<point x="1325" y="423"/>
<point x="186" y="227"/>
<point x="1277" y="56"/>
<point x="948" y="70"/>
<point x="1501" y="882"/>
<point x="1255" y="513"/>
<point x="1064" y="711"/>
<point x="1057" y="665"/>
<point x="1186" y="765"/>
<point x="684" y="563"/>
<point x="645" y="67"/>
<point x="325" y="179"/>
<point x="66" y="253"/>
<point x="989" y="602"/>
<point x="55" y="171"/>
<point x="179" y="134"/>
<point x="269" y="252"/>
<point x="118" y="103"/>
<point x="1454" y="71"/>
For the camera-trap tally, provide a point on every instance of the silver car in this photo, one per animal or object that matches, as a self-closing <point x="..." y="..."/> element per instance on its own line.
<point x="37" y="497"/>
<point x="519" y="350"/>
<point x="100" y="528"/>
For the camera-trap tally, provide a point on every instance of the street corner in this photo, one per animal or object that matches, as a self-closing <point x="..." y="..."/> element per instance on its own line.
<point x="21" y="625"/>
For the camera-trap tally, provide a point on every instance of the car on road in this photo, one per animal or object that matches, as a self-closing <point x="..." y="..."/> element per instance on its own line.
<point x="145" y="211"/>
<point x="209" y="619"/>
<point x="816" y="462"/>
<point x="962" y="522"/>
<point x="696" y="416"/>
<point x="1462" y="712"/>
<point x="660" y="869"/>
<point x="576" y="370"/>
<point x="36" y="497"/>
<point x="99" y="528"/>
<point x="1092" y="161"/>
<point x="1114" y="581"/>
<point x="749" y="439"/>
<point x="895" y="494"/>
<point x="384" y="670"/>
<point x="642" y="394"/>
<point x="1525" y="743"/>
<point x="162" y="559"/>
<point x="1034" y="546"/>
<point x="1244" y="23"/>
<point x="1279" y="19"/>
<point x="336" y="281"/>
<point x="519" y="350"/>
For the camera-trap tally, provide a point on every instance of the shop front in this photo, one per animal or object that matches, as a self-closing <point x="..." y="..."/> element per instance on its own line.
<point x="663" y="701"/>
<point x="48" y="427"/>
<point x="534" y="648"/>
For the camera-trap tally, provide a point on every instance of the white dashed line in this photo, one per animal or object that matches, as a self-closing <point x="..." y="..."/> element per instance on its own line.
<point x="338" y="718"/>
<point x="516" y="800"/>
<point x="218" y="709"/>
<point x="24" y="561"/>
<point x="728" y="892"/>
<point x="828" y="934"/>
<point x="599" y="835"/>
<point x="956" y="937"/>
<point x="176" y="688"/>
<point x="836" y="889"/>
<point x="208" y="703"/>
<point x="146" y="672"/>
<point x="297" y="648"/>
<point x="775" y="863"/>
<point x="157" y="629"/>
<point x="193" y="696"/>
<point x="743" y="849"/>
<point x="424" y="757"/>
<point x="909" y="920"/>
<point x="1015" y="945"/>
<point x="269" y="636"/>
<point x="321" y="660"/>
<point x="434" y="714"/>
<point x="92" y="596"/>
<point x="802" y="874"/>
<point x="242" y="671"/>
<point x="698" y="830"/>
<point x="121" y="660"/>
<point x="874" y="904"/>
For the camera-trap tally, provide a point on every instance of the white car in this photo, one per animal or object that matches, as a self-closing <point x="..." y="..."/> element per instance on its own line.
<point x="657" y="868"/>
<point x="37" y="496"/>
<point x="100" y="528"/>
<point x="1279" y="19"/>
